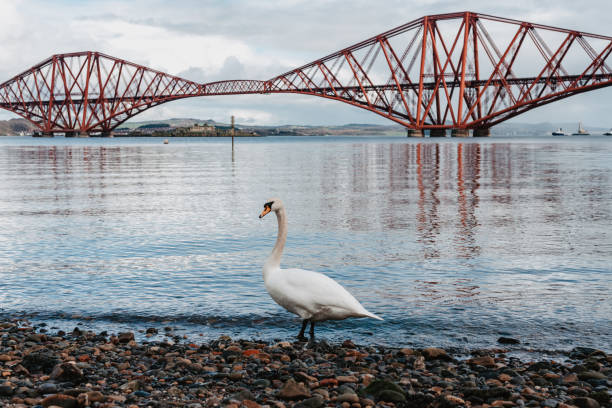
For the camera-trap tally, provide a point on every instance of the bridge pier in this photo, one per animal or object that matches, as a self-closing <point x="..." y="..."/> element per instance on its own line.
<point x="414" y="132"/>
<point x="482" y="132"/>
<point x="43" y="134"/>
<point x="460" y="132"/>
<point x="437" y="133"/>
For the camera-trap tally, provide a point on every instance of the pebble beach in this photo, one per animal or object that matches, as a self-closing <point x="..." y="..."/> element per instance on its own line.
<point x="42" y="368"/>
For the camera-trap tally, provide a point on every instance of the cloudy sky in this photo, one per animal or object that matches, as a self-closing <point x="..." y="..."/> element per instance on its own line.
<point x="226" y="39"/>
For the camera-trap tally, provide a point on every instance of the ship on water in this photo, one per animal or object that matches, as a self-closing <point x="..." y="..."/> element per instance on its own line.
<point x="559" y="132"/>
<point x="608" y="133"/>
<point x="581" y="131"/>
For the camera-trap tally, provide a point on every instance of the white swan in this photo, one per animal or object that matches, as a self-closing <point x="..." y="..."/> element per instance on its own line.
<point x="311" y="295"/>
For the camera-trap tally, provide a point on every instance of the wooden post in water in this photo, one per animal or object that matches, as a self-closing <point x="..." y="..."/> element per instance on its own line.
<point x="233" y="137"/>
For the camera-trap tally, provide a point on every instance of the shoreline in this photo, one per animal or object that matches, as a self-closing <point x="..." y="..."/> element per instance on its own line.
<point x="83" y="368"/>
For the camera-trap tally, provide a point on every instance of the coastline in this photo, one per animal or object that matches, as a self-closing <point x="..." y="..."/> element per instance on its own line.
<point x="83" y="368"/>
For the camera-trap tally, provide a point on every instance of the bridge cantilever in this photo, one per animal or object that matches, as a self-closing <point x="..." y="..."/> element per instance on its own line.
<point x="437" y="72"/>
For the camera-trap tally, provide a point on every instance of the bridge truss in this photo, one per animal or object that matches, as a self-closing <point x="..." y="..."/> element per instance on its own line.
<point x="450" y="71"/>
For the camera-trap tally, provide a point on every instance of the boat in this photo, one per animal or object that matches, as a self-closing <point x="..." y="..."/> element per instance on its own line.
<point x="581" y="131"/>
<point x="608" y="133"/>
<point x="559" y="132"/>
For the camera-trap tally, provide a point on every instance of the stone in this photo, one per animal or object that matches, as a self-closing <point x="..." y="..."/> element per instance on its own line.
<point x="95" y="396"/>
<point x="585" y="402"/>
<point x="391" y="396"/>
<point x="40" y="361"/>
<point x="152" y="330"/>
<point x="347" y="379"/>
<point x="378" y="386"/>
<point x="67" y="372"/>
<point x="591" y="375"/>
<point x="60" y="400"/>
<point x="453" y="400"/>
<point x="434" y="353"/>
<point x="125" y="337"/>
<point x="47" y="388"/>
<point x="313" y="402"/>
<point x="6" y="390"/>
<point x="250" y="404"/>
<point x="508" y="340"/>
<point x="293" y="391"/>
<point x="485" y="361"/>
<point x="302" y="376"/>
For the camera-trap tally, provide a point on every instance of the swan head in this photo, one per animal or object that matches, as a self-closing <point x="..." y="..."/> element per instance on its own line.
<point x="273" y="204"/>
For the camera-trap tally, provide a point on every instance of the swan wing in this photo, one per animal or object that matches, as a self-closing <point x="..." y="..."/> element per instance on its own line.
<point x="313" y="295"/>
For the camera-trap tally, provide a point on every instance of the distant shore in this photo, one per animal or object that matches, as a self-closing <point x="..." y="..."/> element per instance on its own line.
<point x="81" y="368"/>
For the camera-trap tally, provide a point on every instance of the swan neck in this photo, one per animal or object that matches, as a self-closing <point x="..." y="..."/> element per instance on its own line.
<point x="275" y="257"/>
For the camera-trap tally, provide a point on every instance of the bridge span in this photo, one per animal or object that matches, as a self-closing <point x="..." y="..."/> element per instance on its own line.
<point x="459" y="71"/>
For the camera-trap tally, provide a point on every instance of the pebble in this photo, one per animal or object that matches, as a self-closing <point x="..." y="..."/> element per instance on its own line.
<point x="84" y="369"/>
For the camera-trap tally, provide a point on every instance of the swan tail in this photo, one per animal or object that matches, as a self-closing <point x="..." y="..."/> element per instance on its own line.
<point x="372" y="315"/>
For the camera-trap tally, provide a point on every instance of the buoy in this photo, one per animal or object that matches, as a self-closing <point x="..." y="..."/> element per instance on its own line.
<point x="165" y="141"/>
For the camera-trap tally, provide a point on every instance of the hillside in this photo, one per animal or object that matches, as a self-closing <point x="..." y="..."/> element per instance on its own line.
<point x="13" y="127"/>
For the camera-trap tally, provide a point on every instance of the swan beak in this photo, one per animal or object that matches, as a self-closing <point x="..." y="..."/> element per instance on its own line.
<point x="264" y="212"/>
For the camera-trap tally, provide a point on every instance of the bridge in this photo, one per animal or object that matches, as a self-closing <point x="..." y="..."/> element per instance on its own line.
<point x="460" y="72"/>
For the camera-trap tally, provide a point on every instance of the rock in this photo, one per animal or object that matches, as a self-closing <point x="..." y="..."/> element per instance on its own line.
<point x="585" y="402"/>
<point x="243" y="395"/>
<point x="591" y="375"/>
<point x="322" y="392"/>
<point x="6" y="390"/>
<point x="378" y="386"/>
<point x="152" y="330"/>
<point x="314" y="402"/>
<point x="40" y="361"/>
<point x="508" y="340"/>
<point x="60" y="400"/>
<point x="47" y="388"/>
<point x="453" y="400"/>
<point x="602" y="397"/>
<point x="549" y="403"/>
<point x="485" y="361"/>
<point x="125" y="337"/>
<point x="347" y="379"/>
<point x="347" y="397"/>
<point x="293" y="391"/>
<point x="261" y="383"/>
<point x="67" y="372"/>
<point x="302" y="376"/>
<point x="391" y="396"/>
<point x="95" y="396"/>
<point x="433" y="353"/>
<point x="328" y="382"/>
<point x="250" y="404"/>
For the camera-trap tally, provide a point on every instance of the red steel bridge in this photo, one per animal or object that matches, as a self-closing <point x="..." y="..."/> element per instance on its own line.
<point x="460" y="71"/>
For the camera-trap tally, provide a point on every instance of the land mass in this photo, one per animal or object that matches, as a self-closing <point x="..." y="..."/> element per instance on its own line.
<point x="199" y="127"/>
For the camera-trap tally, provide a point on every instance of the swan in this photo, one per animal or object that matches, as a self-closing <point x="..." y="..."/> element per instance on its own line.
<point x="311" y="295"/>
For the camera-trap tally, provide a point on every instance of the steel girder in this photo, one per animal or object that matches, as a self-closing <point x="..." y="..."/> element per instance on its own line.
<point x="459" y="70"/>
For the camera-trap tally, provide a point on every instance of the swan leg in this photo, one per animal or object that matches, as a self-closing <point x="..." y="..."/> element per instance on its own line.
<point x="301" y="336"/>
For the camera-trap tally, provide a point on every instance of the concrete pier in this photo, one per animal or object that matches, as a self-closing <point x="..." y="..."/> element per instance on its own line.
<point x="414" y="132"/>
<point x="482" y="132"/>
<point x="437" y="133"/>
<point x="73" y="133"/>
<point x="460" y="133"/>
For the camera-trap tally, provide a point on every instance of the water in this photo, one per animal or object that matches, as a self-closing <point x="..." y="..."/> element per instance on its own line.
<point x="453" y="242"/>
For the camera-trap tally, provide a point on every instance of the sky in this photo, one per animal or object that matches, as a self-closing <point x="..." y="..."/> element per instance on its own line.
<point x="242" y="39"/>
